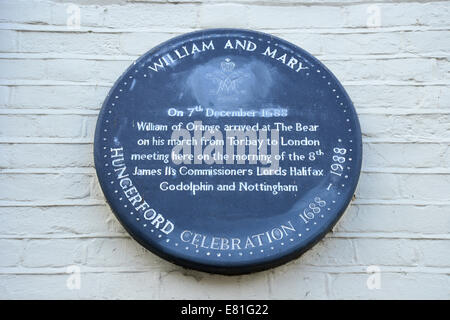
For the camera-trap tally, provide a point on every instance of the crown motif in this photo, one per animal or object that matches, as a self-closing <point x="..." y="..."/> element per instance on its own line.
<point x="227" y="65"/>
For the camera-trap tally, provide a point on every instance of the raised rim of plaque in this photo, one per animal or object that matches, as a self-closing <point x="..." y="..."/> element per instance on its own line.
<point x="200" y="265"/>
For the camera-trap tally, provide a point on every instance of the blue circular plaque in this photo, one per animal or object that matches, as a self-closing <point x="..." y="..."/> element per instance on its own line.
<point x="228" y="151"/>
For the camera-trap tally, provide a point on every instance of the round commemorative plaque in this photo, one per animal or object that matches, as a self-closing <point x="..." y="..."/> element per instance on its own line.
<point x="228" y="151"/>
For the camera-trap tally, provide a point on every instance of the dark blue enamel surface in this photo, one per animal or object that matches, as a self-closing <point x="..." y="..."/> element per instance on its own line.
<point x="230" y="79"/>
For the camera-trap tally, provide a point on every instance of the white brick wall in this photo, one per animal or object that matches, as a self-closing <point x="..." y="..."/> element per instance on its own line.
<point x="53" y="80"/>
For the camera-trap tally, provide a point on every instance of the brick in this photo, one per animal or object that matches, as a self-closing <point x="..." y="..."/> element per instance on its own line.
<point x="429" y="14"/>
<point x="121" y="252"/>
<point x="253" y="286"/>
<point x="8" y="40"/>
<point x="108" y="15"/>
<point x="393" y="285"/>
<point x="103" y="285"/>
<point x="23" y="286"/>
<point x="378" y="186"/>
<point x="395" y="252"/>
<point x="25" y="11"/>
<point x="96" y="190"/>
<point x="138" y="285"/>
<point x="434" y="253"/>
<point x="23" y="69"/>
<point x="289" y="282"/>
<point x="135" y="16"/>
<point x="324" y="253"/>
<point x="86" y="70"/>
<point x="399" y="14"/>
<point x="401" y="42"/>
<point x="58" y="97"/>
<point x="4" y="96"/>
<point x="90" y="15"/>
<point x="62" y="69"/>
<point x="434" y="127"/>
<point x="90" y="124"/>
<point x="407" y="155"/>
<point x="446" y="157"/>
<point x="54" y="253"/>
<point x="393" y="69"/>
<point x="181" y="284"/>
<point x="137" y="43"/>
<point x="60" y="220"/>
<point x="220" y="15"/>
<point x="12" y="252"/>
<point x="41" y="187"/>
<point x="425" y="187"/>
<point x="394" y="219"/>
<point x="62" y="42"/>
<point x="62" y="126"/>
<point x="294" y="17"/>
<point x="399" y="96"/>
<point x="50" y="155"/>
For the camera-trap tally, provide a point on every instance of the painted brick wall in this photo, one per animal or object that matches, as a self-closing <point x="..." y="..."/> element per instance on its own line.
<point x="392" y="57"/>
